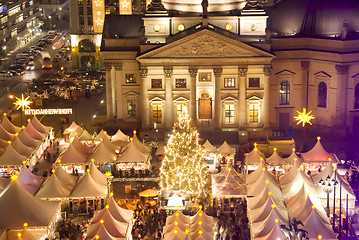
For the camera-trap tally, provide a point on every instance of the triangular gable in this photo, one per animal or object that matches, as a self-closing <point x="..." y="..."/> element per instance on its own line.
<point x="322" y="74"/>
<point x="285" y="72"/>
<point x="181" y="99"/>
<point x="205" y="44"/>
<point x="131" y="93"/>
<point x="230" y="98"/>
<point x="157" y="99"/>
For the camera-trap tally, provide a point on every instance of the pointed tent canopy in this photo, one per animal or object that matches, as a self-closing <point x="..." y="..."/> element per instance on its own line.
<point x="3" y="183"/>
<point x="253" y="204"/>
<point x="259" y="199"/>
<point x="53" y="187"/>
<point x="176" y="234"/>
<point x="177" y="216"/>
<point x="301" y="197"/>
<point x="229" y="188"/>
<point x="102" y="135"/>
<point x="290" y="175"/>
<point x="315" y="226"/>
<point x="97" y="175"/>
<point x="296" y="184"/>
<point x="254" y="157"/>
<point x="293" y="158"/>
<point x="9" y="127"/>
<point x="72" y="155"/>
<point x="110" y="146"/>
<point x="225" y="149"/>
<point x="28" y="140"/>
<point x="200" y="215"/>
<point x="119" y="136"/>
<point x="78" y="132"/>
<point x="11" y="158"/>
<point x="265" y="180"/>
<point x="119" y="213"/>
<point x="275" y="234"/>
<point x="100" y="230"/>
<point x="5" y="135"/>
<point x="25" y="235"/>
<point x="80" y="147"/>
<point x="145" y="150"/>
<point x="65" y="178"/>
<point x="253" y="176"/>
<point x="178" y="224"/>
<point x="275" y="159"/>
<point x="39" y="126"/>
<point x="265" y="227"/>
<point x="72" y="128"/>
<point x="30" y="179"/>
<point x="3" y="144"/>
<point x="87" y="187"/>
<point x="208" y="147"/>
<point x="21" y="148"/>
<point x="132" y="154"/>
<point x="85" y="136"/>
<point x="228" y="170"/>
<point x="33" y="132"/>
<point x="19" y="207"/>
<point x="317" y="154"/>
<point x="102" y="154"/>
<point x="262" y="213"/>
<point x="113" y="227"/>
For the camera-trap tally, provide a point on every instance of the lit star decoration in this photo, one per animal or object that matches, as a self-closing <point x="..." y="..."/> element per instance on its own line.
<point x="184" y="167"/>
<point x="125" y="7"/>
<point x="23" y="103"/>
<point x="304" y="117"/>
<point x="98" y="13"/>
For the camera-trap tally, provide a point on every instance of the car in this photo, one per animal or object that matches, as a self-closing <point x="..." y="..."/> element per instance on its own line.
<point x="14" y="73"/>
<point x="30" y="66"/>
<point x="56" y="59"/>
<point x="4" y="74"/>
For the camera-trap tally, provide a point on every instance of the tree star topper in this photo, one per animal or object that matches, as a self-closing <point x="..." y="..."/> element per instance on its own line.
<point x="22" y="103"/>
<point x="304" y="117"/>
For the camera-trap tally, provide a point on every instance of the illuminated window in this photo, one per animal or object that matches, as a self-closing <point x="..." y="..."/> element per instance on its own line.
<point x="179" y="109"/>
<point x="253" y="112"/>
<point x="356" y="100"/>
<point x="322" y="95"/>
<point x="180" y="27"/>
<point x="181" y="83"/>
<point x="157" y="113"/>
<point x="131" y="108"/>
<point x="156" y="83"/>
<point x="253" y="82"/>
<point x="204" y="77"/>
<point x="229" y="113"/>
<point x="284" y="93"/>
<point x="229" y="82"/>
<point x="228" y="27"/>
<point x="130" y="78"/>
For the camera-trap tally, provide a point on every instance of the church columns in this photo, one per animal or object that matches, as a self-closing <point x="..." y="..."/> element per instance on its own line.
<point x="305" y="83"/>
<point x="117" y="92"/>
<point x="267" y="71"/>
<point x="169" y="99"/>
<point x="144" y="100"/>
<point x="217" y="98"/>
<point x="193" y="93"/>
<point x="109" y="102"/>
<point x="242" y="116"/>
<point x="342" y="103"/>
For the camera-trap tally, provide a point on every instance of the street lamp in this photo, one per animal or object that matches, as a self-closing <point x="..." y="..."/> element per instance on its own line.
<point x="327" y="185"/>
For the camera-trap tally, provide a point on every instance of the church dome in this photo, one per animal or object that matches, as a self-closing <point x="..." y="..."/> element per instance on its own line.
<point x="321" y="18"/>
<point x="196" y="7"/>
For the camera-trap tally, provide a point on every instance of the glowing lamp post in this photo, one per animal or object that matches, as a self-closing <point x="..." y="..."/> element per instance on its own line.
<point x="23" y="103"/>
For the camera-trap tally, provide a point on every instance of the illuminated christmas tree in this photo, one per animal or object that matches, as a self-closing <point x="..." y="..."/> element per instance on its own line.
<point x="184" y="167"/>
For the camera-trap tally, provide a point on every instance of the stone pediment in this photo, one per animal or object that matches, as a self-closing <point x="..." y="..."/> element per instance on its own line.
<point x="205" y="44"/>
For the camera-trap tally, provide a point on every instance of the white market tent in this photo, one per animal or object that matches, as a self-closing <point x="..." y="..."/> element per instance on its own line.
<point x="9" y="127"/>
<point x="225" y="149"/>
<point x="208" y="147"/>
<point x="39" y="126"/>
<point x="3" y="183"/>
<point x="293" y="157"/>
<point x="76" y="153"/>
<point x="102" y="135"/>
<point x="28" y="140"/>
<point x="229" y="185"/>
<point x="275" y="159"/>
<point x="11" y="158"/>
<point x="87" y="187"/>
<point x="145" y="150"/>
<point x="71" y="129"/>
<point x="5" y="135"/>
<point x="101" y="232"/>
<point x="101" y="154"/>
<point x="119" y="136"/>
<point x="254" y="157"/>
<point x="132" y="155"/>
<point x="318" y="154"/>
<point x="33" y="133"/>
<point x="85" y="136"/>
<point x="274" y="234"/>
<point x="21" y="148"/>
<point x="19" y="207"/>
<point x="29" y="181"/>
<point x="97" y="175"/>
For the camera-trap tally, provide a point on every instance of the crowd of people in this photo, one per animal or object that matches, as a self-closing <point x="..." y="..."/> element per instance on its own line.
<point x="148" y="223"/>
<point x="72" y="231"/>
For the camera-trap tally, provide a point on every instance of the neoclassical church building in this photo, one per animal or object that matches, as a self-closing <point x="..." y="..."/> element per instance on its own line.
<point x="237" y="65"/>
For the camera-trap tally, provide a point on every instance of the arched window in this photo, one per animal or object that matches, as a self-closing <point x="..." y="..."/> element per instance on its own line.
<point x="284" y="93"/>
<point x="356" y="100"/>
<point x="322" y="95"/>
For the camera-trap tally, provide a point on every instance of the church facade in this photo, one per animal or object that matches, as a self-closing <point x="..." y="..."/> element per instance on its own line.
<point x="235" y="66"/>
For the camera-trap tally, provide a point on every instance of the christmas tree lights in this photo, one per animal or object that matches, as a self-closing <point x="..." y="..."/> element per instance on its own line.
<point x="184" y="168"/>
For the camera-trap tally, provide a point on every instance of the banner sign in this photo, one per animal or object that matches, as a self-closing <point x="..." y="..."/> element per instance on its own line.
<point x="49" y="111"/>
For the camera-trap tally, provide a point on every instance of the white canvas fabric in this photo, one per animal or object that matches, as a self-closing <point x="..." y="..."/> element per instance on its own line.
<point x="317" y="154"/>
<point x="132" y="154"/>
<point x="225" y="149"/>
<point x="9" y="127"/>
<point x="208" y="147"/>
<point x="119" y="136"/>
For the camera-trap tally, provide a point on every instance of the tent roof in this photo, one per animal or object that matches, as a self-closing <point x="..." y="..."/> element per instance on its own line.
<point x="204" y="218"/>
<point x="39" y="126"/>
<point x="110" y="146"/>
<point x="30" y="179"/>
<point x="315" y="226"/>
<point x="302" y="210"/>
<point x="87" y="187"/>
<point x="275" y="158"/>
<point x="102" y="135"/>
<point x="259" y="199"/>
<point x="119" y="136"/>
<point x="53" y="187"/>
<point x="145" y="150"/>
<point x="3" y="183"/>
<point x="102" y="154"/>
<point x="292" y="157"/>
<point x="119" y="213"/>
<point x="72" y="128"/>
<point x="28" y="140"/>
<point x="132" y="154"/>
<point x="30" y="129"/>
<point x="100" y="230"/>
<point x="85" y="136"/>
<point x="169" y="228"/>
<point x="231" y="185"/>
<point x="265" y="180"/>
<point x="179" y="235"/>
<point x="264" y="227"/>
<point x="97" y="175"/>
<point x="275" y="234"/>
<point x="254" y="157"/>
<point x="208" y="147"/>
<point x="80" y="147"/>
<point x="21" y="148"/>
<point x="225" y="149"/>
<point x="261" y="213"/>
<point x="72" y="155"/>
<point x="64" y="177"/>
<point x="19" y="207"/>
<point x="300" y="197"/>
<point x="5" y="135"/>
<point x="3" y="144"/>
<point x="227" y="171"/>
<point x="11" y="158"/>
<point x="113" y="227"/>
<point x="253" y="176"/>
<point x="177" y="216"/>
<point x="78" y="132"/>
<point x="317" y="154"/>
<point x="8" y="126"/>
<point x="288" y="177"/>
